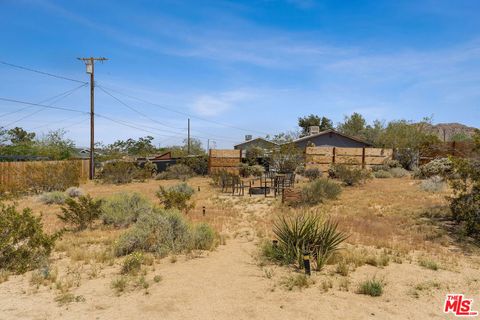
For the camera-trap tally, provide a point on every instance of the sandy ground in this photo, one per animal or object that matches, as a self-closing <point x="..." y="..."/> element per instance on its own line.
<point x="231" y="283"/>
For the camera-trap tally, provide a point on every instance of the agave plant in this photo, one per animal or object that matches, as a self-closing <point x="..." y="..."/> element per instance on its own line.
<point x="307" y="233"/>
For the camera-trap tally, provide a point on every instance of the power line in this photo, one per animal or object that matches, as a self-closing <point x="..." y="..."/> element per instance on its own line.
<point x="188" y="115"/>
<point x="133" y="109"/>
<point x="55" y="98"/>
<point x="61" y="95"/>
<point x="40" y="72"/>
<point x="42" y="106"/>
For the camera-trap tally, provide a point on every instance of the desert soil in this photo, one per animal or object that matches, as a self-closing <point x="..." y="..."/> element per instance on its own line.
<point x="231" y="283"/>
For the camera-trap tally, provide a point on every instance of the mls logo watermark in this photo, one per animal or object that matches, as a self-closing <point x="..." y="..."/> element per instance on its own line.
<point x="459" y="306"/>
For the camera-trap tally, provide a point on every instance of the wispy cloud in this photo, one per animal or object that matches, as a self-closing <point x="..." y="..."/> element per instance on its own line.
<point x="214" y="105"/>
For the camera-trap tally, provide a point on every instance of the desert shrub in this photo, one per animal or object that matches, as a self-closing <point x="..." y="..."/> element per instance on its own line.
<point x="122" y="209"/>
<point x="382" y="174"/>
<point x="82" y="212"/>
<point x="433" y="184"/>
<point x="132" y="263"/>
<point x="54" y="197"/>
<point x="317" y="191"/>
<point x="371" y="287"/>
<point x="176" y="197"/>
<point x="198" y="164"/>
<point x="398" y="172"/>
<point x="312" y="173"/>
<point x="247" y="170"/>
<point x="438" y="167"/>
<point x="203" y="237"/>
<point x="162" y="232"/>
<point x="429" y="264"/>
<point x="348" y="174"/>
<point x="118" y="172"/>
<point x="306" y="233"/>
<point x="23" y="244"/>
<point x="74" y="192"/>
<point x="299" y="281"/>
<point x="286" y="158"/>
<point x="465" y="204"/>
<point x="145" y="171"/>
<point x="300" y="170"/>
<point x="176" y="171"/>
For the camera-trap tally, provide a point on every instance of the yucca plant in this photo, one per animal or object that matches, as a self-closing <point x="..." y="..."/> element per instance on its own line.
<point x="307" y="233"/>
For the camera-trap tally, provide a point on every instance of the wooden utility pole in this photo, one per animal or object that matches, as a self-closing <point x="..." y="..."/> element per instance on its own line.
<point x="188" y="139"/>
<point x="90" y="64"/>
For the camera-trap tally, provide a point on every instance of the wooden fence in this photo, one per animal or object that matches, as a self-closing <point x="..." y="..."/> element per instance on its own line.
<point x="224" y="160"/>
<point x="14" y="174"/>
<point x="322" y="157"/>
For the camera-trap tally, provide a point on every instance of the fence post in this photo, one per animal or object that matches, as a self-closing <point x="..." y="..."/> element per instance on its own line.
<point x="333" y="157"/>
<point x="363" y="158"/>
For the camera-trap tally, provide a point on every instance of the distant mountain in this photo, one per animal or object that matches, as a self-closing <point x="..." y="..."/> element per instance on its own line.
<point x="447" y="131"/>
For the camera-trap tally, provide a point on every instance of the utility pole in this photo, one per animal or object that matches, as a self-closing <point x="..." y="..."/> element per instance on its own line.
<point x="90" y="63"/>
<point x="188" y="139"/>
<point x="208" y="145"/>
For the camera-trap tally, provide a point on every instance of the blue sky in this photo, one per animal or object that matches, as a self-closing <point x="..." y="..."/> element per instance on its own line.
<point x="246" y="66"/>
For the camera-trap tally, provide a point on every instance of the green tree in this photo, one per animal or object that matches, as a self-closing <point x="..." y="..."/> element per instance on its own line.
<point x="19" y="135"/>
<point x="326" y="124"/>
<point x="55" y="146"/>
<point x="313" y="120"/>
<point x="353" y="125"/>
<point x="373" y="132"/>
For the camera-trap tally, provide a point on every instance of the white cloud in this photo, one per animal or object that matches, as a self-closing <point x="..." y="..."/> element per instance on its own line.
<point x="213" y="105"/>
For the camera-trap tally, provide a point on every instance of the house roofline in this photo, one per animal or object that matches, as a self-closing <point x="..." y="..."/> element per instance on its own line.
<point x="259" y="138"/>
<point x="331" y="131"/>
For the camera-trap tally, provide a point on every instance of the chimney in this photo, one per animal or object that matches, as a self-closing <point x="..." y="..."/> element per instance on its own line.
<point x="248" y="137"/>
<point x="313" y="130"/>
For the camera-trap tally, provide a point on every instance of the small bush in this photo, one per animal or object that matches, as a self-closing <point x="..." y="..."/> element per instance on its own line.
<point x="119" y="285"/>
<point x="132" y="263"/>
<point x="74" y="192"/>
<point x="54" y="197"/>
<point x="348" y="174"/>
<point x="317" y="191"/>
<point x="203" y="237"/>
<point x="198" y="164"/>
<point x="300" y="170"/>
<point x="439" y="167"/>
<point x="117" y="172"/>
<point x="382" y="174"/>
<point x="371" y="287"/>
<point x="429" y="264"/>
<point x="312" y="173"/>
<point x="23" y="244"/>
<point x="299" y="281"/>
<point x="163" y="232"/>
<point x="398" y="172"/>
<point x="82" y="212"/>
<point x="176" y="171"/>
<point x="122" y="209"/>
<point x="433" y="184"/>
<point x="176" y="197"/>
<point x="247" y="170"/>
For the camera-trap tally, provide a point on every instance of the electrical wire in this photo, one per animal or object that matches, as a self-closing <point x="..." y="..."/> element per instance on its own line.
<point x="41" y="72"/>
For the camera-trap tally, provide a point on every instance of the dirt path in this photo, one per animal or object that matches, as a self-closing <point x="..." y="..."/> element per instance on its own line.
<point x="228" y="284"/>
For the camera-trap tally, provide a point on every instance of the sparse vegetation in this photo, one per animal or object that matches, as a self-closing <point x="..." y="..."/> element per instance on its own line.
<point x="318" y="190"/>
<point x="428" y="263"/>
<point x="23" y="243"/>
<point x="162" y="232"/>
<point x="382" y="174"/>
<point x="299" y="281"/>
<point x="372" y="287"/>
<point x="176" y="171"/>
<point x="132" y="263"/>
<point x="439" y="167"/>
<point x="120" y="172"/>
<point x="122" y="209"/>
<point x="433" y="184"/>
<point x="312" y="173"/>
<point x="347" y="174"/>
<point x="398" y="172"/>
<point x="54" y="197"/>
<point x="81" y="213"/>
<point x="74" y="192"/>
<point x="176" y="197"/>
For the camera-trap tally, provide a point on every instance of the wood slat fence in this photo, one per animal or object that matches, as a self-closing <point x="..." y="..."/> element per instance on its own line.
<point x="13" y="175"/>
<point x="323" y="157"/>
<point x="224" y="160"/>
